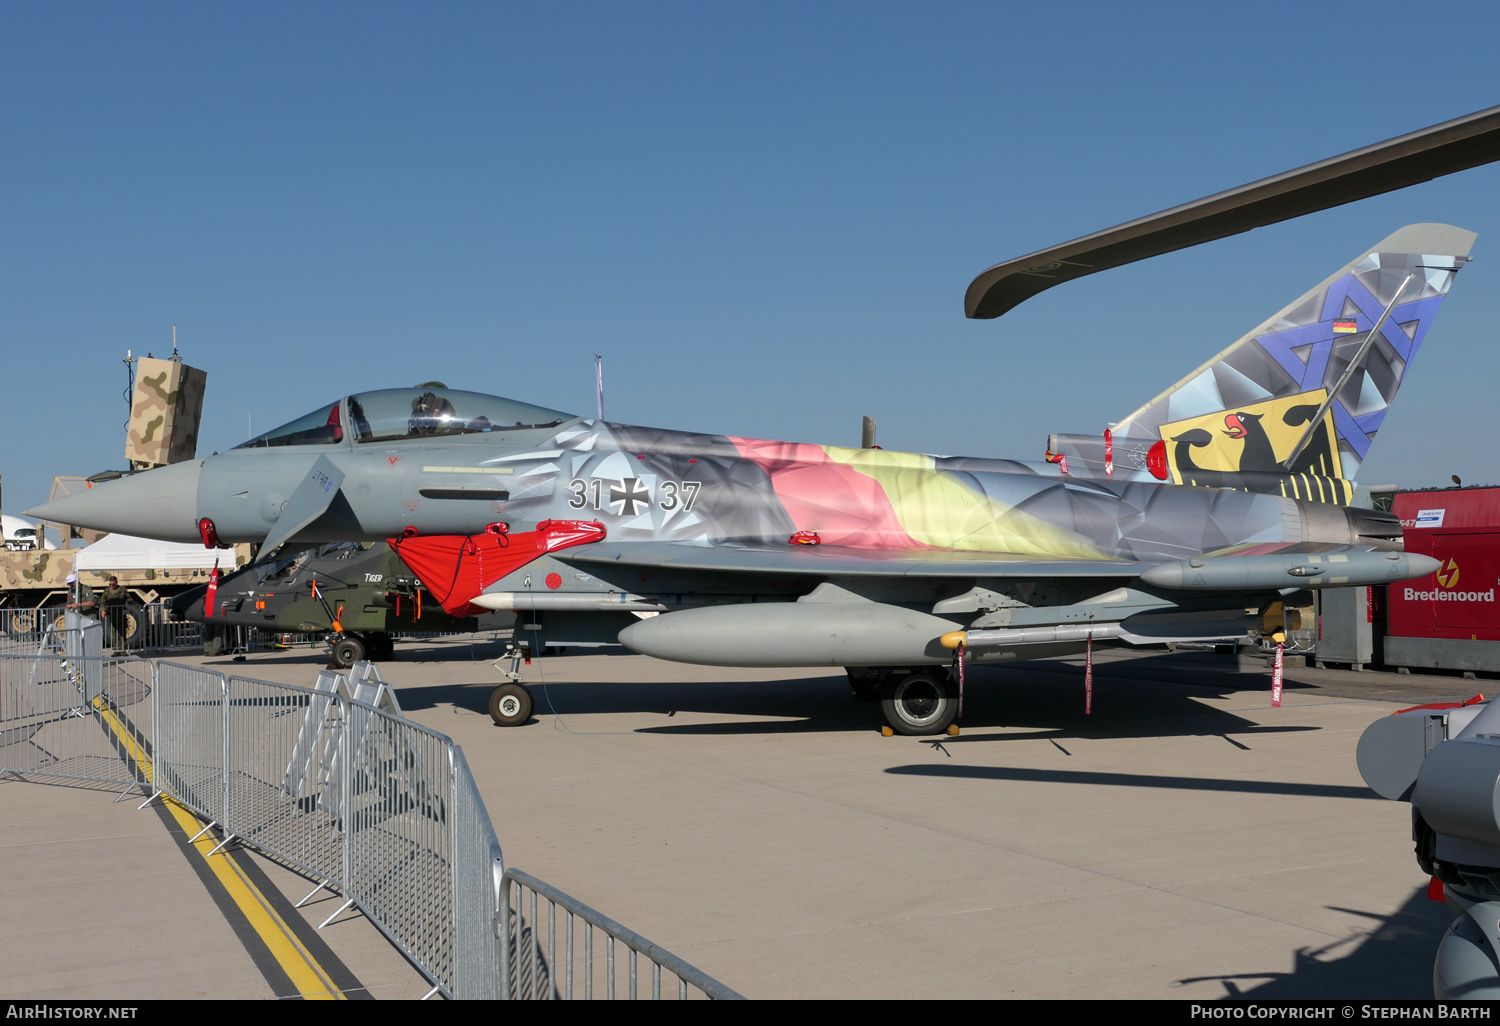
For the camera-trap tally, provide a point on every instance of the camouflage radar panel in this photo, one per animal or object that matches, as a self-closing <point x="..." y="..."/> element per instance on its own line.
<point x="165" y="407"/>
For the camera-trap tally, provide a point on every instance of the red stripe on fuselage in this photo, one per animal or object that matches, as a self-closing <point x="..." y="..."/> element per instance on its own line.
<point x="833" y="499"/>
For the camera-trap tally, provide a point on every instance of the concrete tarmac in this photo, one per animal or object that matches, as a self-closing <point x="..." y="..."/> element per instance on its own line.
<point x="1185" y="840"/>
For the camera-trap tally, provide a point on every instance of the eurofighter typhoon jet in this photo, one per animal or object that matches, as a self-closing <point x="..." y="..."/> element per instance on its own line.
<point x="1217" y="498"/>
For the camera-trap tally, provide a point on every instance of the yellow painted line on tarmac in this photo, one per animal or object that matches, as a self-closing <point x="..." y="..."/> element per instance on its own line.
<point x="310" y="979"/>
<point x="295" y="960"/>
<point x="132" y="748"/>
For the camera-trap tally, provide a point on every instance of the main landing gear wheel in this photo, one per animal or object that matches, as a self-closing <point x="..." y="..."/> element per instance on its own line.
<point x="510" y="705"/>
<point x="919" y="704"/>
<point x="347" y="652"/>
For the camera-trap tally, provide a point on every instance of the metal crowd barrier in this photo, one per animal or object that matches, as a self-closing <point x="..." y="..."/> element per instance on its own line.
<point x="158" y="634"/>
<point x="64" y="710"/>
<point x="26" y="630"/>
<point x="150" y="631"/>
<point x="330" y="780"/>
<point x="524" y="972"/>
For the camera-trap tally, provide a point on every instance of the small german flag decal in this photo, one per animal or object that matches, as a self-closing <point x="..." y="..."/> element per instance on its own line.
<point x="1343" y="327"/>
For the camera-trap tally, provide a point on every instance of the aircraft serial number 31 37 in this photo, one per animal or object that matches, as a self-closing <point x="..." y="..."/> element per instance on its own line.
<point x="630" y="495"/>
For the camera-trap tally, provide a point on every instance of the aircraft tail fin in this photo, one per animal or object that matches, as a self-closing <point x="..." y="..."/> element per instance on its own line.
<point x="1305" y="392"/>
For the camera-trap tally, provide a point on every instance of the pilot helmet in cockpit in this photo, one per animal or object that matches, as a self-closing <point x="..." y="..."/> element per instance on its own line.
<point x="432" y="414"/>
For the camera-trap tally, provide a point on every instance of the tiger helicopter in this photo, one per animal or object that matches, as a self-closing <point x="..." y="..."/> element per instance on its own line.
<point x="1188" y="521"/>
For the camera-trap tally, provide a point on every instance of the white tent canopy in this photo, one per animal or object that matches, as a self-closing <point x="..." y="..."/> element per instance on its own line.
<point x="123" y="552"/>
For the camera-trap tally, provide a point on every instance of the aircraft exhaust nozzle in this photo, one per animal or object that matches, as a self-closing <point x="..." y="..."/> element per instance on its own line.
<point x="160" y="504"/>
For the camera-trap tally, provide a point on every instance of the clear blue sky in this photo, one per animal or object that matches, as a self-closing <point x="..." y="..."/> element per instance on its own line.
<point x="763" y="215"/>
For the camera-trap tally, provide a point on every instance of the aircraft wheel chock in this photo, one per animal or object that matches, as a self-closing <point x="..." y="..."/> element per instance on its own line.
<point x="510" y="705"/>
<point x="919" y="704"/>
<point x="347" y="652"/>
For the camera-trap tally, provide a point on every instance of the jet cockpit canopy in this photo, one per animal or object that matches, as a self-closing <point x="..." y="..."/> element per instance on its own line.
<point x="399" y="413"/>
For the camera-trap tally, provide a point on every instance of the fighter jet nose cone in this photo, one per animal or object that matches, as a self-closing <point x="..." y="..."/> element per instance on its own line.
<point x="160" y="503"/>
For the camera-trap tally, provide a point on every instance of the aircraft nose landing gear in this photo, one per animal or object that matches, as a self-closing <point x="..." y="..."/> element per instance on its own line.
<point x="510" y="705"/>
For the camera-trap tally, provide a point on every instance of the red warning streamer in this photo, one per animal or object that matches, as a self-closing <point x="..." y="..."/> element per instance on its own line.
<point x="1088" y="677"/>
<point x="212" y="593"/>
<point x="1276" y="678"/>
<point x="1109" y="452"/>
<point x="960" y="658"/>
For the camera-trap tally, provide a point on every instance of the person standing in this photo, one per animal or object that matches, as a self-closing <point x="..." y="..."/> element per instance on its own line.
<point x="83" y="597"/>
<point x="112" y="601"/>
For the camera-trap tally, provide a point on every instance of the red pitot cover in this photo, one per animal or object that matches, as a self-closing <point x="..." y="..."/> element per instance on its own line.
<point x="454" y="568"/>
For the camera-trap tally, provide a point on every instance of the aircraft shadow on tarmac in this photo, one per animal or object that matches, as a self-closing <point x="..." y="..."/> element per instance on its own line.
<point x="1130" y="780"/>
<point x="1050" y="701"/>
<point x="1392" y="961"/>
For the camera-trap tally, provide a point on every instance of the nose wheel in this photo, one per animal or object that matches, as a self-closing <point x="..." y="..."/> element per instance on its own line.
<point x="510" y="705"/>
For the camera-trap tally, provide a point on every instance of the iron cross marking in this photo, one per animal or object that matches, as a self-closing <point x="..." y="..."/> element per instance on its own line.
<point x="630" y="493"/>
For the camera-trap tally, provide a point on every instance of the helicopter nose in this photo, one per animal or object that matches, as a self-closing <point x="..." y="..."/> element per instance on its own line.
<point x="160" y="504"/>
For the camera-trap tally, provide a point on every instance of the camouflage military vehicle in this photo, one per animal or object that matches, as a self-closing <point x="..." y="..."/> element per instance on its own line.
<point x="356" y="595"/>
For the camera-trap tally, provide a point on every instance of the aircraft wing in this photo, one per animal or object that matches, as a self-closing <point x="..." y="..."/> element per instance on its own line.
<point x="842" y="561"/>
<point x="1275" y="567"/>
<point x="1369" y="171"/>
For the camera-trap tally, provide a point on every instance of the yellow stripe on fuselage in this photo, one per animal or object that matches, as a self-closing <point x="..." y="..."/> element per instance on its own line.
<point x="938" y="510"/>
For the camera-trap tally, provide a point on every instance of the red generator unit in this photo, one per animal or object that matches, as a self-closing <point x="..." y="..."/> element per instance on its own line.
<point x="1450" y="620"/>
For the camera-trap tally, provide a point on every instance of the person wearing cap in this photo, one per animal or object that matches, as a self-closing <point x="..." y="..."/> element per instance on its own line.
<point x="112" y="603"/>
<point x="83" y="597"/>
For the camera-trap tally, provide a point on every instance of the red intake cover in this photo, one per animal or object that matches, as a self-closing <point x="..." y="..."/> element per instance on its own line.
<point x="454" y="568"/>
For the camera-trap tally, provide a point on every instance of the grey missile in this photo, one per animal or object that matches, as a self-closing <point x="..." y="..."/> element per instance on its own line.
<point x="1289" y="570"/>
<point x="1141" y="629"/>
<point x="587" y="602"/>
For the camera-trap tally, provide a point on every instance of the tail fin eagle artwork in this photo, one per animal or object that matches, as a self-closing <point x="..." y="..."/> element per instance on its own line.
<point x="1293" y="406"/>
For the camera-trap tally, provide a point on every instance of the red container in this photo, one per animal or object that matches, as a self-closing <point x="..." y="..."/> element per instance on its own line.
<point x="1460" y="527"/>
